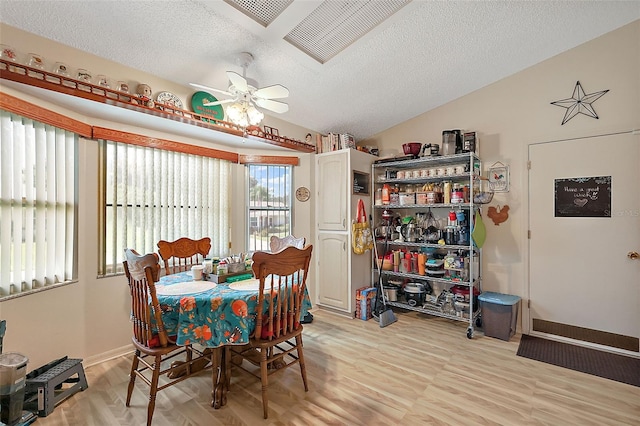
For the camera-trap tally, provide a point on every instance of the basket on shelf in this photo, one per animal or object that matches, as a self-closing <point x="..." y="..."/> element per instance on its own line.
<point x="483" y="197"/>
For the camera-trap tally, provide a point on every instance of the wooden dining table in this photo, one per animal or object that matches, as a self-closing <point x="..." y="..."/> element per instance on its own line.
<point x="212" y="315"/>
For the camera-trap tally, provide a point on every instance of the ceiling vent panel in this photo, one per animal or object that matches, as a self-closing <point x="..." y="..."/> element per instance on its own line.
<point x="335" y="25"/>
<point x="262" y="11"/>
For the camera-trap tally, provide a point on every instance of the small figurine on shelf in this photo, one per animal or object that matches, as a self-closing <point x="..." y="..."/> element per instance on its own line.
<point x="144" y="95"/>
<point x="255" y="131"/>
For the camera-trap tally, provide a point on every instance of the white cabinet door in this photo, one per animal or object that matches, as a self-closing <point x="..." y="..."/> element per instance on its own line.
<point x="332" y="271"/>
<point x="332" y="186"/>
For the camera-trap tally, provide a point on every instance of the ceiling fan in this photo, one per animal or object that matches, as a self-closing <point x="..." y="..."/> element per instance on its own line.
<point x="245" y="97"/>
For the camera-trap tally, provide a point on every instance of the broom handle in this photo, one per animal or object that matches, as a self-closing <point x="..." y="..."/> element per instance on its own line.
<point x="379" y="265"/>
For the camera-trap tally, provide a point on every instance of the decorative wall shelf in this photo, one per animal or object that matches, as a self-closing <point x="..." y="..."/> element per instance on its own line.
<point x="50" y="81"/>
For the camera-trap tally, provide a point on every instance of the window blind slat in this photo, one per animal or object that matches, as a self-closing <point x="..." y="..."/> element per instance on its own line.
<point x="6" y="135"/>
<point x="17" y="192"/>
<point x="29" y="208"/>
<point x="41" y="212"/>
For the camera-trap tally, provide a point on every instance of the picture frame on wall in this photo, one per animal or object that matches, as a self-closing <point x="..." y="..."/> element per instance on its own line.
<point x="271" y="132"/>
<point x="361" y="183"/>
<point x="498" y="176"/>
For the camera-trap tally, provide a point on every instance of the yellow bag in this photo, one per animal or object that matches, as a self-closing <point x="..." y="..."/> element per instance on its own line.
<point x="361" y="238"/>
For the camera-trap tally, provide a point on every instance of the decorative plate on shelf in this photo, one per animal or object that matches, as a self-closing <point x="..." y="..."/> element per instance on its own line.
<point x="169" y="99"/>
<point x="198" y="100"/>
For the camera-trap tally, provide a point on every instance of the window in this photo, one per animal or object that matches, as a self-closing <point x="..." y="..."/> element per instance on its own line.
<point x="152" y="194"/>
<point x="269" y="206"/>
<point x="38" y="205"/>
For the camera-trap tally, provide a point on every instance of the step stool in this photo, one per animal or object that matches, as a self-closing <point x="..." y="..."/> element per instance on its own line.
<point x="48" y="389"/>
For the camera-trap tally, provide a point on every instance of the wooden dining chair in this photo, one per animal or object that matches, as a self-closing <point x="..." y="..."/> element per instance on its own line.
<point x="152" y="344"/>
<point x="276" y="243"/>
<point x="278" y="331"/>
<point x="181" y="254"/>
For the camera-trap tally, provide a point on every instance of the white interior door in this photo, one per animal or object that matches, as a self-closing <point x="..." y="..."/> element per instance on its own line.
<point x="580" y="270"/>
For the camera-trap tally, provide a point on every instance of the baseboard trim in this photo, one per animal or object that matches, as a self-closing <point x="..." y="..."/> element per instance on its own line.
<point x="598" y="337"/>
<point x="336" y="311"/>
<point x="109" y="355"/>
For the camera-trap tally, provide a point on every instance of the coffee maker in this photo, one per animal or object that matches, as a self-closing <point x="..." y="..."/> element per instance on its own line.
<point x="451" y="142"/>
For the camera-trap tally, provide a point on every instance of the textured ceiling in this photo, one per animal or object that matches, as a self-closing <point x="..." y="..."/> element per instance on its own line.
<point x="425" y="55"/>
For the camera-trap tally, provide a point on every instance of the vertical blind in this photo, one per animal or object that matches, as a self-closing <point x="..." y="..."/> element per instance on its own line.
<point x="151" y="194"/>
<point x="38" y="204"/>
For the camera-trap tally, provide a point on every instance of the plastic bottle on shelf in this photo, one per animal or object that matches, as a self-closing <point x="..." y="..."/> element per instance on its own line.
<point x="414" y="263"/>
<point x="386" y="194"/>
<point x="407" y="263"/>
<point x="422" y="260"/>
<point x="378" y="197"/>
<point x="447" y="192"/>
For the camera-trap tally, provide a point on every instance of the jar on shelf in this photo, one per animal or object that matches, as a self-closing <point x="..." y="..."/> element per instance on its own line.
<point x="394" y="195"/>
<point x="457" y="195"/>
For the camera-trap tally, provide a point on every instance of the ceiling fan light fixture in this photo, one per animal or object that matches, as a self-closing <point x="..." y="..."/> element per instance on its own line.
<point x="242" y="110"/>
<point x="255" y="115"/>
<point x="244" y="114"/>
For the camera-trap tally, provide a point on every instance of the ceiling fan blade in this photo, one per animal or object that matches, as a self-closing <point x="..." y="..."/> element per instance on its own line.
<point x="238" y="81"/>
<point x="211" y="89"/>
<point x="224" y="101"/>
<point x="272" y="92"/>
<point x="275" y="106"/>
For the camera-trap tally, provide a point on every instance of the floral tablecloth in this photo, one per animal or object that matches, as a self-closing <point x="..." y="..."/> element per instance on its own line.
<point x="216" y="317"/>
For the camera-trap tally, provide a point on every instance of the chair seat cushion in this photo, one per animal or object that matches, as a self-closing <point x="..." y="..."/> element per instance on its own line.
<point x="154" y="342"/>
<point x="265" y="334"/>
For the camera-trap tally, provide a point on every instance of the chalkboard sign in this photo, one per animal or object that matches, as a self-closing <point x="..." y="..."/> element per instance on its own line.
<point x="360" y="183"/>
<point x="583" y="197"/>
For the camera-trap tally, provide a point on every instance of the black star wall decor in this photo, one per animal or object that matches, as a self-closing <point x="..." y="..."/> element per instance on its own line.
<point x="579" y="103"/>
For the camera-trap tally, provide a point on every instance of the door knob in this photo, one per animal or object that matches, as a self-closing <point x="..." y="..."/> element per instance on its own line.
<point x="633" y="255"/>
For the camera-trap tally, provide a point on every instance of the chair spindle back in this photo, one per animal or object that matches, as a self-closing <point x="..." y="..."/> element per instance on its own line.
<point x="284" y="277"/>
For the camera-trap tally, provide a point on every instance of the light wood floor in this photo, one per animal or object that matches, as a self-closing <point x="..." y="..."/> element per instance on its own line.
<point x="417" y="371"/>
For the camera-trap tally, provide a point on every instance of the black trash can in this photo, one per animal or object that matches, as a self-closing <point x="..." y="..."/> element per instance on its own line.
<point x="499" y="314"/>
<point x="13" y="371"/>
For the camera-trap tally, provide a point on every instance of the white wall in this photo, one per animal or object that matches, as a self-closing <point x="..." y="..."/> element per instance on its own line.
<point x="89" y="318"/>
<point x="515" y="112"/>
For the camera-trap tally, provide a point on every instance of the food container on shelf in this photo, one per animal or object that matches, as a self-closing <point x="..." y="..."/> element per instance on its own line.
<point x="421" y="198"/>
<point x="407" y="198"/>
<point x="433" y="197"/>
<point x="435" y="267"/>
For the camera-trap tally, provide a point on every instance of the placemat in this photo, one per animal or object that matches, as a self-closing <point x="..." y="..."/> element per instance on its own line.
<point x="184" y="288"/>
